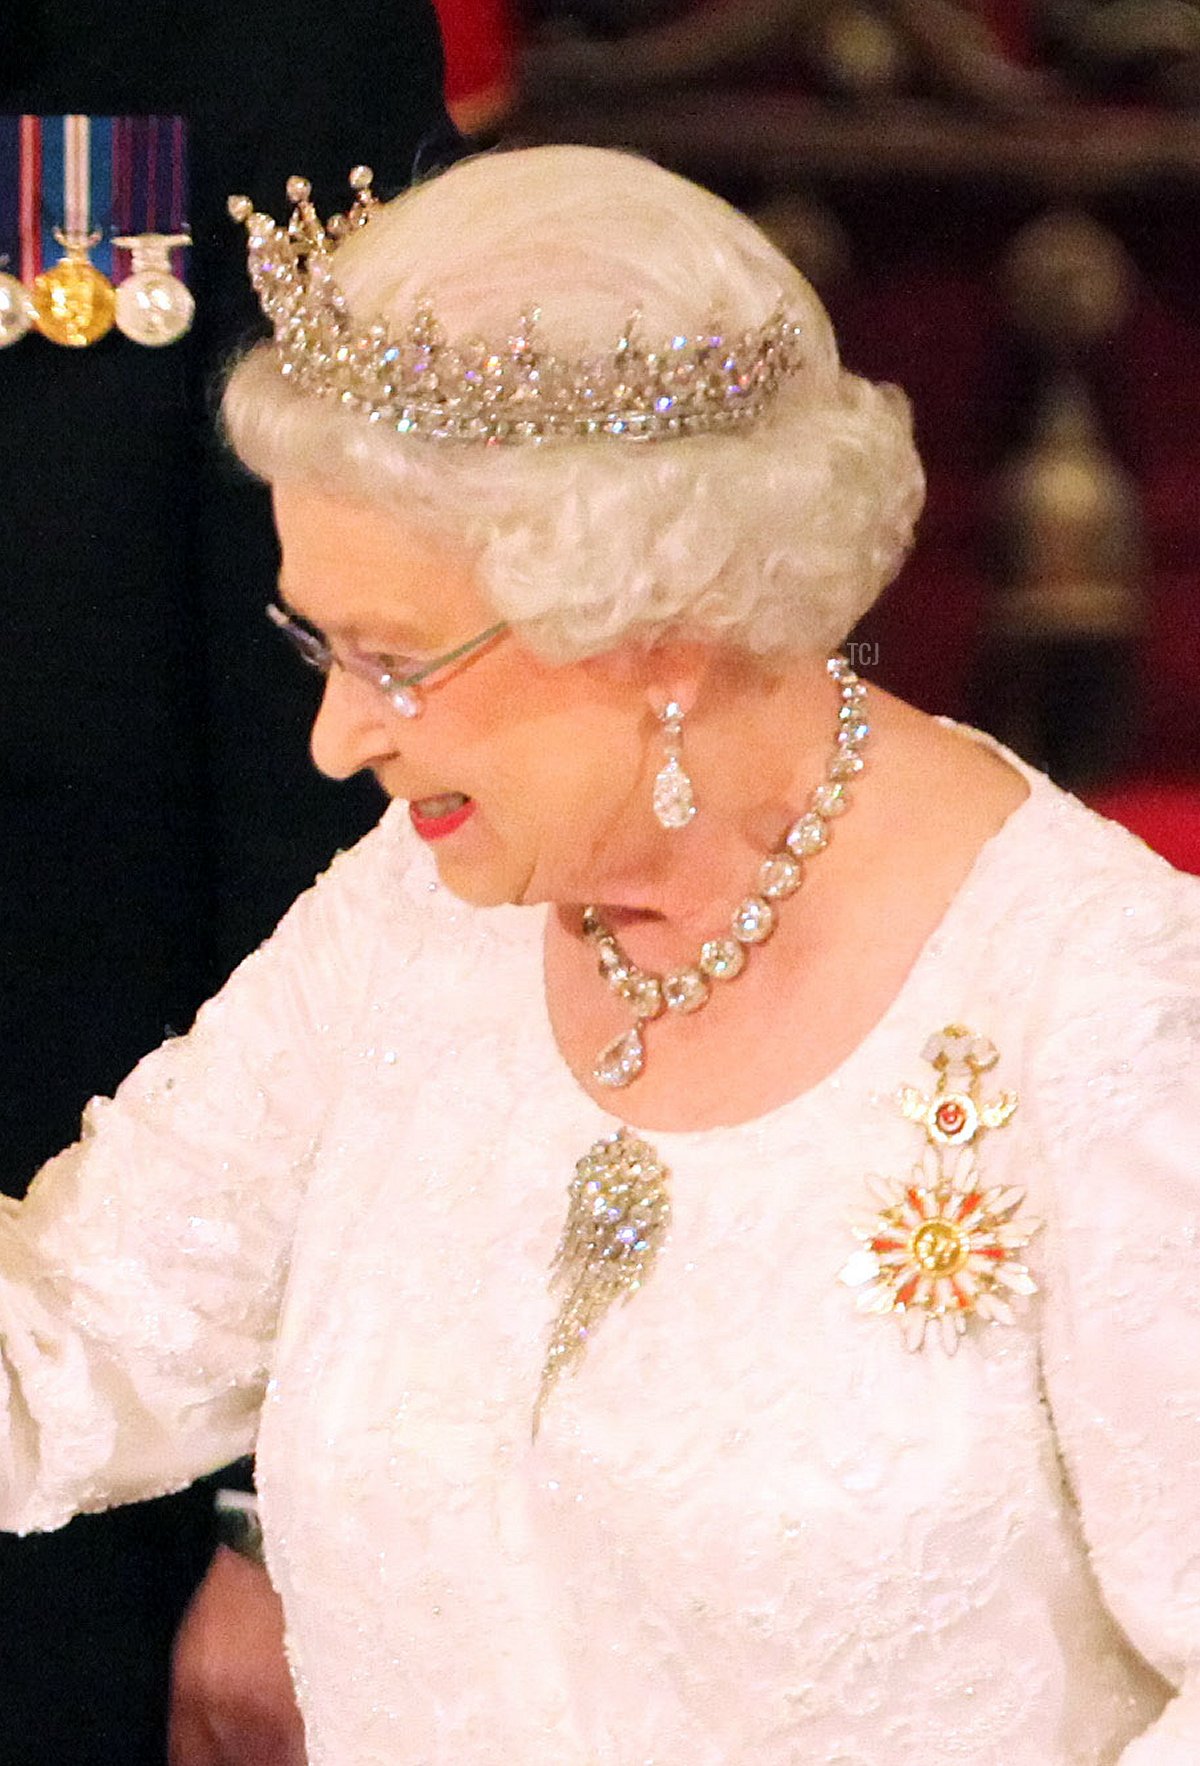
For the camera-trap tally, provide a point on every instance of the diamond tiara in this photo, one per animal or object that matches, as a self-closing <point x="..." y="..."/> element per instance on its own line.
<point x="415" y="381"/>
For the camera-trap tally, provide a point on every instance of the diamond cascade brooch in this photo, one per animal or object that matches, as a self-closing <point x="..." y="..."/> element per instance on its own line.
<point x="944" y="1248"/>
<point x="617" y="1217"/>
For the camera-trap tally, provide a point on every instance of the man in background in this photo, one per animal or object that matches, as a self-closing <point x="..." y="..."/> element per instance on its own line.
<point x="157" y="809"/>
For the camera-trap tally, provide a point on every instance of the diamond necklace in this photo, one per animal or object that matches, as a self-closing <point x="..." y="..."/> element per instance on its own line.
<point x="781" y="873"/>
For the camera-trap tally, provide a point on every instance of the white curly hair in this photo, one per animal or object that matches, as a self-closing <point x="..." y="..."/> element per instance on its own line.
<point x="775" y="538"/>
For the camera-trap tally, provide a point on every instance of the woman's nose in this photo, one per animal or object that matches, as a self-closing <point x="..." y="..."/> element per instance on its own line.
<point x="352" y="729"/>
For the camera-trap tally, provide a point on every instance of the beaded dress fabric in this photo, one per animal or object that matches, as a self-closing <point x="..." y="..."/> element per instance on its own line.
<point x="754" y="1529"/>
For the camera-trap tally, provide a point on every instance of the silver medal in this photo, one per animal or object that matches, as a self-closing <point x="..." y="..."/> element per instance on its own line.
<point x="16" y="310"/>
<point x="153" y="306"/>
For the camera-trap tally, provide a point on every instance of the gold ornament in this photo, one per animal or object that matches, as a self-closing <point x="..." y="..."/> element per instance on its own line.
<point x="617" y="1218"/>
<point x="73" y="303"/>
<point x="944" y="1247"/>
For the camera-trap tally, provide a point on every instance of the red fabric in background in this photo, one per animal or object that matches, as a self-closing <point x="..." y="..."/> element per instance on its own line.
<point x="1009" y="22"/>
<point x="480" y="41"/>
<point x="1165" y="816"/>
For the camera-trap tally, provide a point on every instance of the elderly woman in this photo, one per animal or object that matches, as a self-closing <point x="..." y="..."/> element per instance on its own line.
<point x="698" y="1210"/>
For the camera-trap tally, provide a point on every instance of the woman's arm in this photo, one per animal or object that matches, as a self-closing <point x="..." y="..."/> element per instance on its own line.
<point x="141" y="1278"/>
<point x="1118" y="1101"/>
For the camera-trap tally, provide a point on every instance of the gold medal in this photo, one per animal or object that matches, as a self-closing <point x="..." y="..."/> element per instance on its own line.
<point x="16" y="310"/>
<point x="73" y="303"/>
<point x="153" y="306"/>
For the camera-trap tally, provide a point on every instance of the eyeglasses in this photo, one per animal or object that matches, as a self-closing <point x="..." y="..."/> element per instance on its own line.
<point x="398" y="678"/>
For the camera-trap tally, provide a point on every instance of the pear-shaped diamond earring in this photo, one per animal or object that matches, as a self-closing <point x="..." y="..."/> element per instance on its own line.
<point x="674" y="799"/>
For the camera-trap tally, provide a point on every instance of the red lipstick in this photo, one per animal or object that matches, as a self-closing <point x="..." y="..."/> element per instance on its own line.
<point x="435" y="827"/>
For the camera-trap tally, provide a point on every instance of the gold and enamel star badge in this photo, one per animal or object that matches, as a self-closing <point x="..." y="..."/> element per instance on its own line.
<point x="943" y="1247"/>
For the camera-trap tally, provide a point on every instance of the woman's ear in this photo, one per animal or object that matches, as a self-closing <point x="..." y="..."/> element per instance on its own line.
<point x="673" y="670"/>
<point x="678" y="672"/>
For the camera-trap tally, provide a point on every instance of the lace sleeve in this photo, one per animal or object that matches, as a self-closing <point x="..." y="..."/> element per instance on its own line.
<point x="141" y="1277"/>
<point x="1118" y="1100"/>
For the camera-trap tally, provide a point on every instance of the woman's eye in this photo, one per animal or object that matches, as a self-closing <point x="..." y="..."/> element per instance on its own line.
<point x="380" y="662"/>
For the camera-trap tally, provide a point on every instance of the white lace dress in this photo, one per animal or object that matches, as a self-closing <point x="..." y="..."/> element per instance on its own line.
<point x="754" y="1530"/>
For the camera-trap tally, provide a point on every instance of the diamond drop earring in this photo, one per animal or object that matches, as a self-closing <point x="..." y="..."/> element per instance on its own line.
<point x="674" y="799"/>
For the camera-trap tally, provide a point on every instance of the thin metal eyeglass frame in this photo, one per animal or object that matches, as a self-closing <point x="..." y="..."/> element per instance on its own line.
<point x="402" y="692"/>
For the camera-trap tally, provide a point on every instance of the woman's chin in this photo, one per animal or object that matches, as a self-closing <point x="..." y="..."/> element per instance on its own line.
<point x="477" y="892"/>
<point x="480" y="881"/>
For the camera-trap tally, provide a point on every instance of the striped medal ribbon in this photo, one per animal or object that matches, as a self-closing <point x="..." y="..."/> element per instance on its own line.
<point x="154" y="303"/>
<point x="16" y="308"/>
<point x="74" y="303"/>
<point x="64" y="181"/>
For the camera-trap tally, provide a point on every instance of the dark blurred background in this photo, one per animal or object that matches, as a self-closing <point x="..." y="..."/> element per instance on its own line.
<point x="158" y="811"/>
<point x="999" y="202"/>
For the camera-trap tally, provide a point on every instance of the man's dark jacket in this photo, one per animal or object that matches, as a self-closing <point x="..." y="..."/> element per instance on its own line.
<point x="157" y="808"/>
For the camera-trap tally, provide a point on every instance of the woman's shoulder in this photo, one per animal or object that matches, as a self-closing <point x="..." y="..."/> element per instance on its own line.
<point x="381" y="859"/>
<point x="1064" y="861"/>
<point x="1040" y="883"/>
<point x="384" y="895"/>
<point x="386" y="881"/>
<point x="1102" y="939"/>
<point x="1092" y="938"/>
<point x="351" y="910"/>
<point x="1125" y="924"/>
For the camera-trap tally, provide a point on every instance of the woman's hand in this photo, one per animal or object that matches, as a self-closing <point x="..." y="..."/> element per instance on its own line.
<point x="231" y="1695"/>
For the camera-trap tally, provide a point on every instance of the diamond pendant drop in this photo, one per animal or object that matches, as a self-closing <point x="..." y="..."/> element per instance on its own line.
<point x="621" y="1060"/>
<point x="674" y="804"/>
